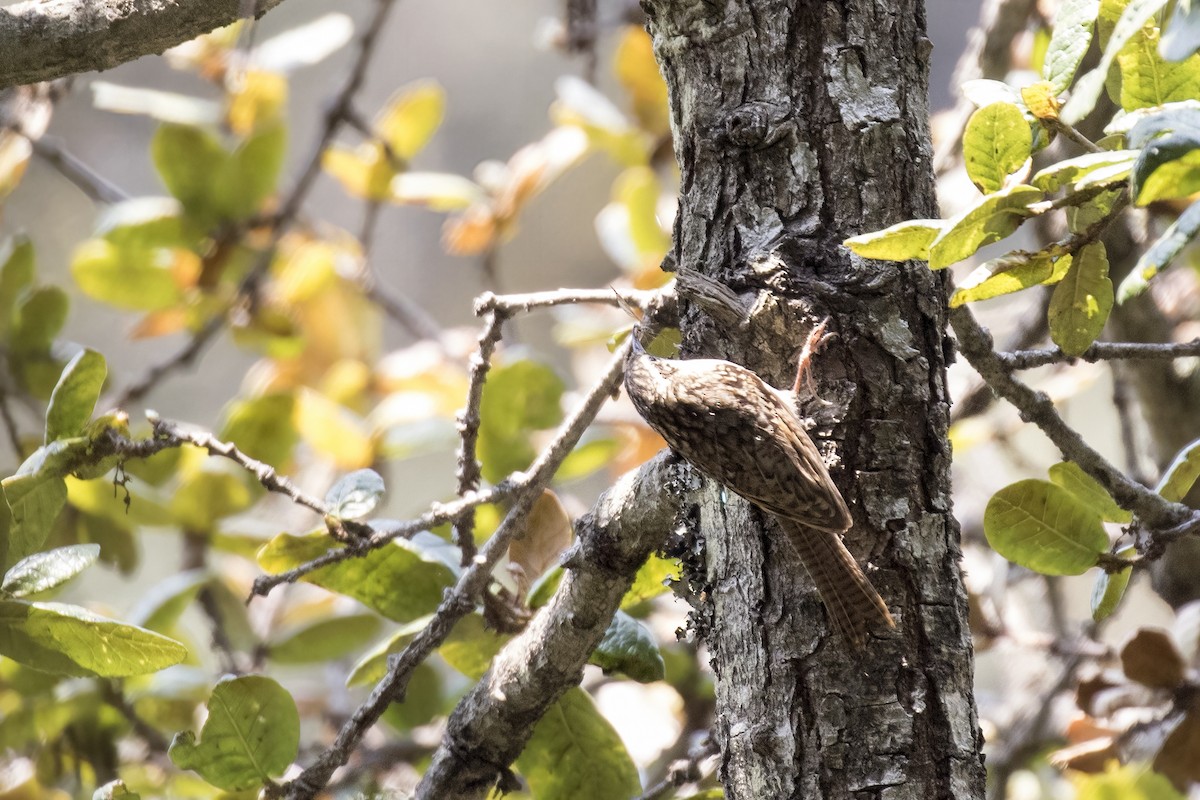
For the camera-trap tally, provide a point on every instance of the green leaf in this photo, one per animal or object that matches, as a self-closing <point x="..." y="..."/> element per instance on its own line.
<point x="1073" y="23"/>
<point x="400" y="580"/>
<point x="159" y="608"/>
<point x="1129" y="782"/>
<point x="39" y="317"/>
<point x="206" y="496"/>
<point x="628" y="647"/>
<point x="997" y="142"/>
<point x="424" y="699"/>
<point x="1110" y="587"/>
<point x="324" y="640"/>
<point x="130" y="274"/>
<point x="1147" y="80"/>
<point x="42" y="572"/>
<point x="989" y="220"/>
<point x="118" y="549"/>
<point x="1081" y="303"/>
<point x="34" y="503"/>
<point x="1008" y="274"/>
<point x="574" y="754"/>
<point x="1162" y="252"/>
<point x="901" y="242"/>
<point x="544" y="587"/>
<point x="651" y="580"/>
<point x="587" y="458"/>
<point x="15" y="276"/>
<point x="252" y="735"/>
<point x="355" y="495"/>
<point x="1179" y="478"/>
<point x="250" y="174"/>
<point x="188" y="160"/>
<point x="75" y="396"/>
<point x="69" y="640"/>
<point x="1064" y="173"/>
<point x="518" y="398"/>
<point x="263" y="427"/>
<point x="1165" y="138"/>
<point x="373" y="665"/>
<point x="1043" y="527"/>
<point x="1086" y="490"/>
<point x="1087" y="89"/>
<point x="102" y="498"/>
<point x="470" y="647"/>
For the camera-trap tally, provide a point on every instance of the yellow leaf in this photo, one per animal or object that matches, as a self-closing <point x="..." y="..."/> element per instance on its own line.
<point x="160" y="323"/>
<point x="638" y="72"/>
<point x="411" y="118"/>
<point x="258" y="99"/>
<point x="307" y="270"/>
<point x="363" y="172"/>
<point x="333" y="430"/>
<point x="14" y="157"/>
<point x="438" y="191"/>
<point x="1040" y="100"/>
<point x="471" y="232"/>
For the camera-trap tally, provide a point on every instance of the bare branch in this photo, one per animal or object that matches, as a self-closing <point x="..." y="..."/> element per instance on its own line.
<point x="468" y="472"/>
<point x="1100" y="351"/>
<point x="41" y="40"/>
<point x="461" y="600"/>
<point x="1164" y="517"/>
<point x="490" y="726"/>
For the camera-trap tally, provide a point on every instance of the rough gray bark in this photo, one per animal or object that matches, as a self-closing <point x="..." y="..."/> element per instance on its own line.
<point x="796" y="125"/>
<point x="41" y="40"/>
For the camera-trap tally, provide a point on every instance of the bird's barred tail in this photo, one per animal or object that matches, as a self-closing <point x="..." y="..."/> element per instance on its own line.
<point x="851" y="600"/>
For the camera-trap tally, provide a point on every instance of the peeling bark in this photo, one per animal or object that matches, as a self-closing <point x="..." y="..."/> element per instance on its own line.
<point x="796" y="125"/>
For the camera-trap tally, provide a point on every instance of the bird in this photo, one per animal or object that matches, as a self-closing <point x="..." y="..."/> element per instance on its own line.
<point x="745" y="434"/>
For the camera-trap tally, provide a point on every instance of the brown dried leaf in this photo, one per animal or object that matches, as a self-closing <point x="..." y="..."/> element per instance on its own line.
<point x="1151" y="659"/>
<point x="1177" y="759"/>
<point x="1091" y="756"/>
<point x="547" y="534"/>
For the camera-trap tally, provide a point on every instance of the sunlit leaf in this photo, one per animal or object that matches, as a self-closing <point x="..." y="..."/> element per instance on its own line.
<point x="997" y="142"/>
<point x="470" y="647"/>
<point x="74" y="398"/>
<point x="1088" y="491"/>
<point x="1041" y="526"/>
<point x="1007" y="274"/>
<point x="901" y="242"/>
<point x="411" y="117"/>
<point x="991" y="219"/>
<point x="42" y="572"/>
<point x="69" y="640"/>
<point x="1082" y="301"/>
<point x="334" y="430"/>
<point x="1073" y="23"/>
<point x="1181" y="475"/>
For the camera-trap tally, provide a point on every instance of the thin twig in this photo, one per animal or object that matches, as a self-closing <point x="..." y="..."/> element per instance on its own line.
<point x="114" y="694"/>
<point x="86" y="179"/>
<point x="1100" y="351"/>
<point x="510" y="304"/>
<point x="1151" y="508"/>
<point x="468" y="471"/>
<point x="461" y="600"/>
<point x="172" y="434"/>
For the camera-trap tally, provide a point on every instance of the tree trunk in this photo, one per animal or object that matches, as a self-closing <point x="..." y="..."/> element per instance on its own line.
<point x="796" y="125"/>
